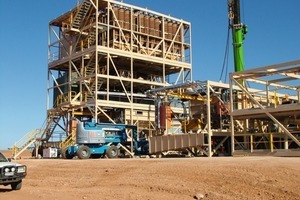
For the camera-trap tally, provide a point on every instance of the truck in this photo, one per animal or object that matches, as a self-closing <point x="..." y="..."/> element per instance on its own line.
<point x="96" y="140"/>
<point x="11" y="173"/>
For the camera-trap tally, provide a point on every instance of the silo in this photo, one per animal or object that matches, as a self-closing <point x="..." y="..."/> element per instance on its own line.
<point x="170" y="30"/>
<point x="166" y="29"/>
<point x="127" y="19"/>
<point x="157" y="25"/>
<point x="151" y="25"/>
<point x="146" y="24"/>
<point x="141" y="23"/>
<point x="121" y="17"/>
<point x="114" y="15"/>
<point x="174" y="30"/>
<point x="127" y="23"/>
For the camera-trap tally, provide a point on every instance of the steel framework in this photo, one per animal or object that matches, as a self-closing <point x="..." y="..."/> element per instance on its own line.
<point x="104" y="54"/>
<point x="271" y="114"/>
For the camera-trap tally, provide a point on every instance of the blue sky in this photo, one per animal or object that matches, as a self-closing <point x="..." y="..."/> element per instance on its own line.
<point x="273" y="37"/>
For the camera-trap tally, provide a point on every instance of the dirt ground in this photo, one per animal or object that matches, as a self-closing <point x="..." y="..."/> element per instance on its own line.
<point x="160" y="178"/>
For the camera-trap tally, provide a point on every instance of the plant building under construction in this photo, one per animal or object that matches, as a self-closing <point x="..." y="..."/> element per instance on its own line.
<point x="114" y="62"/>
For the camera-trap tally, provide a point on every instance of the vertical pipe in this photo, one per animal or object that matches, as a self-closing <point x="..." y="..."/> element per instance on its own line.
<point x="271" y="143"/>
<point x="190" y="50"/>
<point x="107" y="23"/>
<point x="96" y="63"/>
<point x="48" y="74"/>
<point x="251" y="143"/>
<point x="286" y="142"/>
<point x="267" y="94"/>
<point x="208" y="119"/>
<point x="231" y="117"/>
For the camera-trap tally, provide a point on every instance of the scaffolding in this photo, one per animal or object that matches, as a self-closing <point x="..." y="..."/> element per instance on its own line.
<point x="102" y="57"/>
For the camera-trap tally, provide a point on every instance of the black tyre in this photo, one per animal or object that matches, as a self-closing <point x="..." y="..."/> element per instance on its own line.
<point x="16" y="185"/>
<point x="112" y="152"/>
<point x="65" y="154"/>
<point x="84" y="152"/>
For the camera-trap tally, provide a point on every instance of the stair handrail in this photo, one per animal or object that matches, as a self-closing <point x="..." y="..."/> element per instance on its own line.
<point x="30" y="135"/>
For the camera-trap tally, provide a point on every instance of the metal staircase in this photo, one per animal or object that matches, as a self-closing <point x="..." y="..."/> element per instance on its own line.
<point x="49" y="126"/>
<point x="26" y="141"/>
<point x="80" y="15"/>
<point x="92" y="37"/>
<point x="36" y="135"/>
<point x="70" y="140"/>
<point x="90" y="71"/>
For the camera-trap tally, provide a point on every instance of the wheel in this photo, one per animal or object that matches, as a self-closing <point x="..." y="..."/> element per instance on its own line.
<point x="84" y="152"/>
<point x="65" y="154"/>
<point x="16" y="185"/>
<point x="112" y="152"/>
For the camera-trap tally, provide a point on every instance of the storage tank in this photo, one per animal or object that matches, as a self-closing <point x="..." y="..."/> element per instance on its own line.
<point x="141" y="23"/>
<point x="174" y="31"/>
<point x="165" y="116"/>
<point x="114" y="16"/>
<point x="146" y="24"/>
<point x="170" y="30"/>
<point x="166" y="29"/>
<point x="121" y="17"/>
<point x="157" y="27"/>
<point x="127" y="19"/>
<point x="151" y="25"/>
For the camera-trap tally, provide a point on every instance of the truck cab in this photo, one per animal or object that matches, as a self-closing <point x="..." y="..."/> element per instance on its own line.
<point x="11" y="173"/>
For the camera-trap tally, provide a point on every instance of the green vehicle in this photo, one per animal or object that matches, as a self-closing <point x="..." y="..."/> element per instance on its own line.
<point x="11" y="173"/>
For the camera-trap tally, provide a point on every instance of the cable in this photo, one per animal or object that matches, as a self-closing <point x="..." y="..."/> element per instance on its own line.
<point x="225" y="61"/>
<point x="243" y="12"/>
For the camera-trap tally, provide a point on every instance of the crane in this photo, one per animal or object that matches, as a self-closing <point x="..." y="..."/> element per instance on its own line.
<point x="238" y="34"/>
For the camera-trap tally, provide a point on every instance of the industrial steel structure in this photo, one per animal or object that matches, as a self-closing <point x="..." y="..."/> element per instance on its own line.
<point x="114" y="62"/>
<point x="270" y="115"/>
<point x="103" y="56"/>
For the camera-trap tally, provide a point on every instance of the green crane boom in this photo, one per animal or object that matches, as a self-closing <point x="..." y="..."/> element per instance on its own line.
<point x="238" y="34"/>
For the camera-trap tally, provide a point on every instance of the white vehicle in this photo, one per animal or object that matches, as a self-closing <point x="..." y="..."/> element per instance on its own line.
<point x="11" y="173"/>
